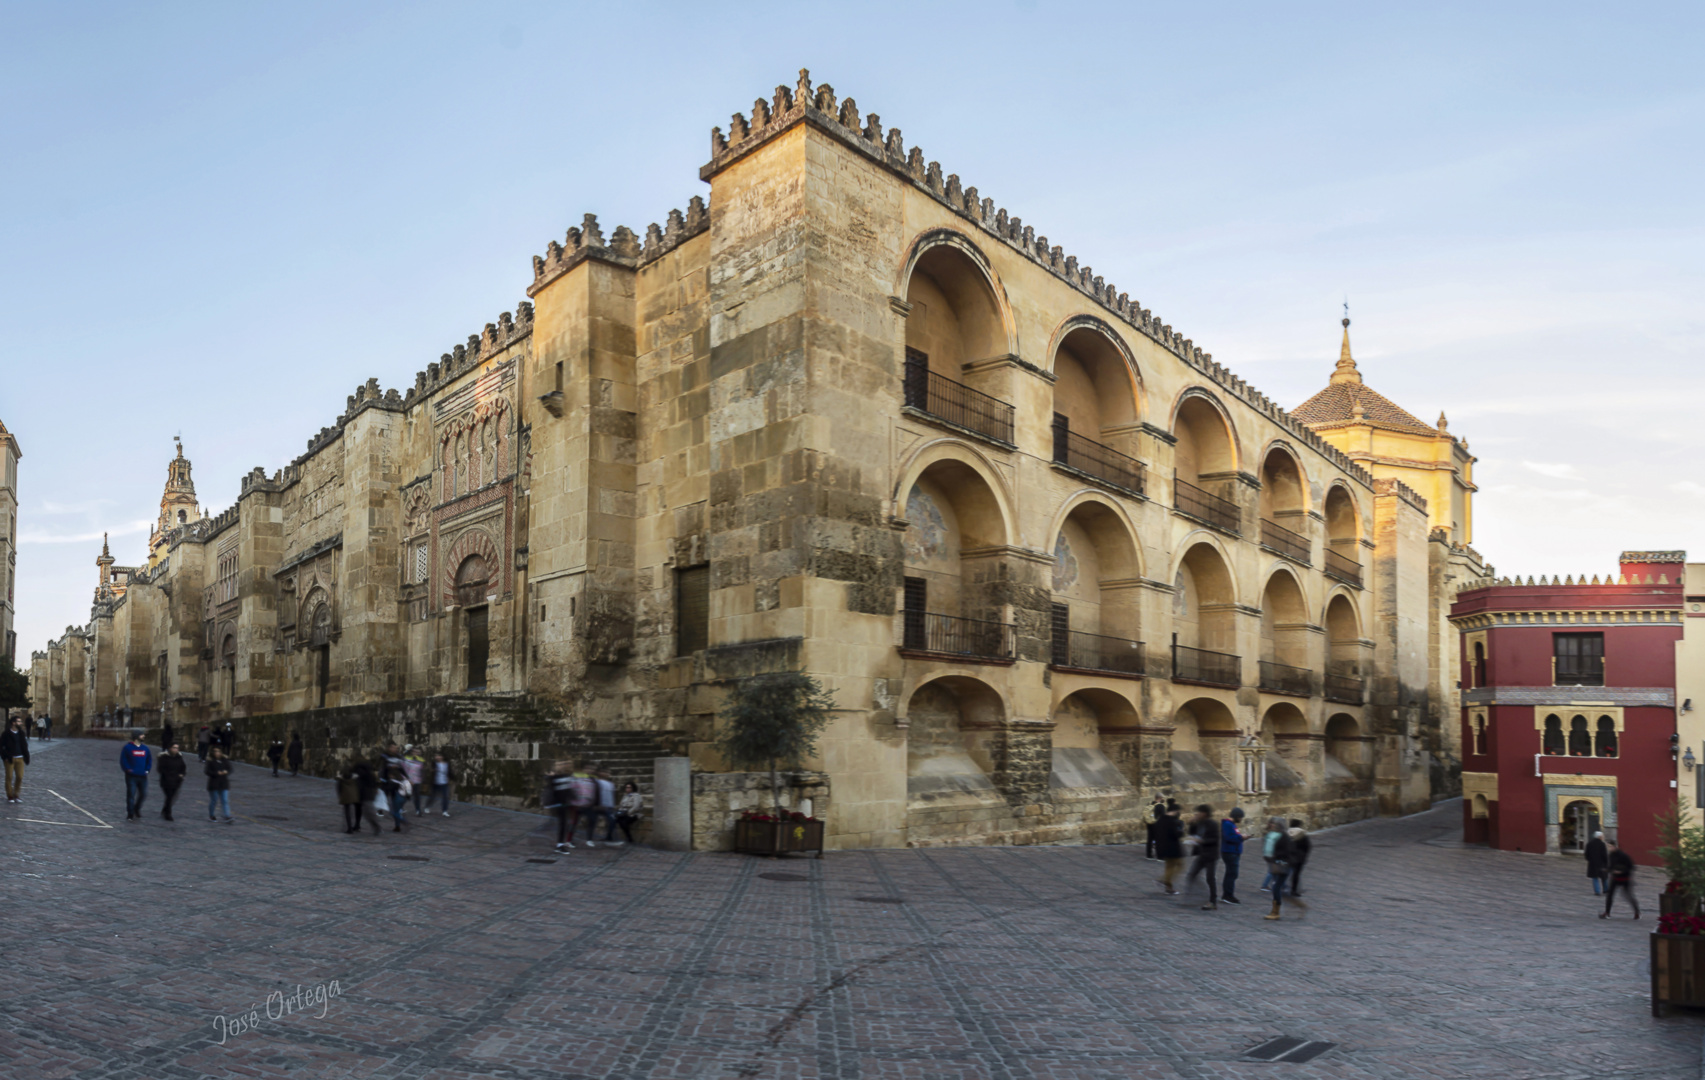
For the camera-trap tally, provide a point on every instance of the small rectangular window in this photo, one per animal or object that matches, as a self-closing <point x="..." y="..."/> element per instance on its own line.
<point x="692" y="609"/>
<point x="1062" y="625"/>
<point x="541" y="613"/>
<point x="558" y="376"/>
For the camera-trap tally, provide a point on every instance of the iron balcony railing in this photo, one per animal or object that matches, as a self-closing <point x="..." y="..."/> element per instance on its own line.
<point x="1286" y="679"/>
<point x="1580" y="671"/>
<point x="955" y="402"/>
<point x="1283" y="541"/>
<point x="1206" y="506"/>
<point x="1095" y="652"/>
<point x="927" y="631"/>
<point x="1099" y="461"/>
<point x="1344" y="689"/>
<point x="1205" y="666"/>
<point x="1344" y="568"/>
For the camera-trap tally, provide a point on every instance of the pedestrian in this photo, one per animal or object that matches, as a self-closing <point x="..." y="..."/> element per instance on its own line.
<point x="275" y="752"/>
<point x="1300" y="847"/>
<point x="1621" y="873"/>
<point x="137" y="761"/>
<point x="173" y="767"/>
<point x="227" y="738"/>
<point x="394" y="780"/>
<point x="349" y="797"/>
<point x="583" y="800"/>
<point x="218" y="770"/>
<point x="294" y="754"/>
<point x="166" y="737"/>
<point x="442" y="777"/>
<point x="47" y="728"/>
<point x="1169" y="847"/>
<point x="1269" y="844"/>
<point x="414" y="767"/>
<point x="14" y="755"/>
<point x="366" y="792"/>
<point x="1156" y="812"/>
<point x="1284" y="854"/>
<point x="1231" y="852"/>
<point x="202" y="741"/>
<point x="41" y="728"/>
<point x="1207" y="834"/>
<point x="1598" y="860"/>
<point x="628" y="811"/>
<point x="604" y="808"/>
<point x="556" y="798"/>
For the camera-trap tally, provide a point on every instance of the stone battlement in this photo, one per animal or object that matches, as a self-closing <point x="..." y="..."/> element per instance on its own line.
<point x="624" y="248"/>
<point x="820" y="108"/>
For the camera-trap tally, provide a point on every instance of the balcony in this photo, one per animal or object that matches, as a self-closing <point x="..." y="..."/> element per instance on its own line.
<point x="1285" y="679"/>
<point x="1205" y="667"/>
<point x="1344" y="689"/>
<point x="952" y="636"/>
<point x="955" y="403"/>
<point x="1092" y="458"/>
<point x="1205" y="506"/>
<point x="1280" y="539"/>
<point x="1345" y="569"/>
<point x="1094" y="652"/>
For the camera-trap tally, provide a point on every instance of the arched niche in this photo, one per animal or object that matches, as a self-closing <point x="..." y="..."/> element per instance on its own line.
<point x="1095" y="583"/>
<point x="1284" y="620"/>
<point x="1080" y="755"/>
<point x="1204" y="744"/>
<point x="950" y="724"/>
<point x="958" y="315"/>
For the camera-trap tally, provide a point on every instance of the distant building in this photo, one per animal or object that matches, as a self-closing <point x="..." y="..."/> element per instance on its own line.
<point x="9" y="455"/>
<point x="1569" y="706"/>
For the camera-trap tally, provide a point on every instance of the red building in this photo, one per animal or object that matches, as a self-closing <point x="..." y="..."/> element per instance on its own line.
<point x="1568" y="718"/>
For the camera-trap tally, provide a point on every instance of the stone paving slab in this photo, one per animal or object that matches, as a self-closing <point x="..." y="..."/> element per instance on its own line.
<point x="128" y="942"/>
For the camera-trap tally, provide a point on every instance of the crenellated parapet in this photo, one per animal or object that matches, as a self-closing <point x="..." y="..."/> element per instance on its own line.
<point x="819" y="107"/>
<point x="1566" y="581"/>
<point x="623" y="248"/>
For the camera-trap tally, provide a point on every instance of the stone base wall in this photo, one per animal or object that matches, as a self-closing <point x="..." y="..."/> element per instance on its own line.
<point x="720" y="798"/>
<point x="501" y="747"/>
<point x="1073" y="816"/>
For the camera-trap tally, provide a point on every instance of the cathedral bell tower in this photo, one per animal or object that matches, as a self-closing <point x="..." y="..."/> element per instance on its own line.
<point x="178" y="505"/>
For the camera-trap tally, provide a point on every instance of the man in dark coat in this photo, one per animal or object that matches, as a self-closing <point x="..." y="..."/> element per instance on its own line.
<point x="1301" y="845"/>
<point x="1598" y="861"/>
<point x="1207" y="833"/>
<point x="1621" y="872"/>
<point x="294" y="754"/>
<point x="275" y="752"/>
<point x="1169" y="846"/>
<point x="171" y="769"/>
<point x="1156" y="812"/>
<point x="167" y="735"/>
<point x="14" y="754"/>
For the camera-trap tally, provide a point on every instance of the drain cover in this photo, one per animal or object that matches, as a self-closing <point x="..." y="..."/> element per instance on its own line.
<point x="784" y="877"/>
<point x="1288" y="1049"/>
<point x="1400" y="900"/>
<point x="546" y="861"/>
<point x="879" y="899"/>
<point x="409" y="858"/>
<point x="271" y="817"/>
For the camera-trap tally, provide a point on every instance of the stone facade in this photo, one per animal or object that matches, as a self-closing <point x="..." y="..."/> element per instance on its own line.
<point x="847" y="416"/>
<point x="9" y="455"/>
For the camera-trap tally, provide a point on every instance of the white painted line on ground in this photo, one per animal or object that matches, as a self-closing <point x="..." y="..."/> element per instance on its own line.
<point x="73" y="824"/>
<point x="77" y="808"/>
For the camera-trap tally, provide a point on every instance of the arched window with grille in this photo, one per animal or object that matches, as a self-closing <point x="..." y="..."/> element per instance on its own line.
<point x="1604" y="742"/>
<point x="1580" y="741"/>
<point x="1479" y="734"/>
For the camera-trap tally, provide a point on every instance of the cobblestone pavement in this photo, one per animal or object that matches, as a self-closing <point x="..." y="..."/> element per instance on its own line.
<point x="125" y="945"/>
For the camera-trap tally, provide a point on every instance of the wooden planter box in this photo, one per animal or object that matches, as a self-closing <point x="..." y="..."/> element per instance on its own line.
<point x="1678" y="971"/>
<point x="778" y="837"/>
<point x="1675" y="903"/>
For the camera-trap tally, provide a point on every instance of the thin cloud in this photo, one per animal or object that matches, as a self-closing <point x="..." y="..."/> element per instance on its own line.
<point x="1557" y="471"/>
<point x="27" y="537"/>
<point x="1688" y="487"/>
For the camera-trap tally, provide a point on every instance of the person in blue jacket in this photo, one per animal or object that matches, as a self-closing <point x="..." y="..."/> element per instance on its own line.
<point x="137" y="761"/>
<point x="1231" y="852"/>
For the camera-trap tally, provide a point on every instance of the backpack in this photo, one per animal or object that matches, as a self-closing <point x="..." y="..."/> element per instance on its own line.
<point x="582" y="791"/>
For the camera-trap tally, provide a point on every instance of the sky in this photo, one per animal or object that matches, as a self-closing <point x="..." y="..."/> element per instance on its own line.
<point x="218" y="219"/>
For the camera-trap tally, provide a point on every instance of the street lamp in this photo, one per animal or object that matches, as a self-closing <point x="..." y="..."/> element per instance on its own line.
<point x="1688" y="760"/>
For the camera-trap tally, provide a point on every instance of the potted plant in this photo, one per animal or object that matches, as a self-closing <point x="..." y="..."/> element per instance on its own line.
<point x="1678" y="943"/>
<point x="773" y="720"/>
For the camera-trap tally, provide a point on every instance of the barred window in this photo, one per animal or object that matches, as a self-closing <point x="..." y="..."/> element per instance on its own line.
<point x="420" y="564"/>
